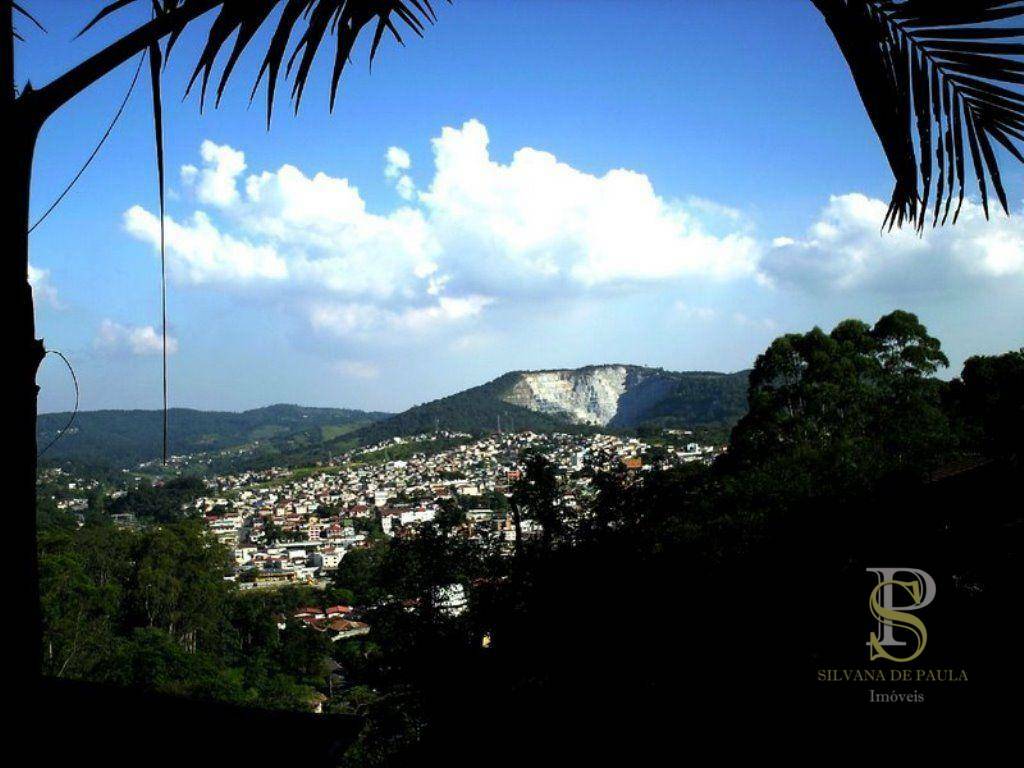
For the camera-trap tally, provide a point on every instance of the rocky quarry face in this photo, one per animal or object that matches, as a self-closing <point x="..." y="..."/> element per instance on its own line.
<point x="596" y="396"/>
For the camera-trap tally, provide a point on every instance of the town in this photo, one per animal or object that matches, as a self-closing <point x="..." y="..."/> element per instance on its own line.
<point x="286" y="526"/>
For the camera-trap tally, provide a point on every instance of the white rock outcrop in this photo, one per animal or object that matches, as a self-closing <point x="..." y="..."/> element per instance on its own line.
<point x="584" y="396"/>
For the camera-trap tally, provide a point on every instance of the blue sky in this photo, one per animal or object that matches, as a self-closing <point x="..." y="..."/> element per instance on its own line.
<point x="533" y="184"/>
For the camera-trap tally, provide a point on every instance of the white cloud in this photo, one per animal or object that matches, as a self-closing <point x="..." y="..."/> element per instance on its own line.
<point x="198" y="252"/>
<point x="550" y="253"/>
<point x="359" y="319"/>
<point x="216" y="183"/>
<point x="405" y="187"/>
<point x="846" y="250"/>
<point x="472" y="342"/>
<point x="345" y="319"/>
<point x="486" y="232"/>
<point x="397" y="162"/>
<point x="482" y="227"/>
<point x="283" y="226"/>
<point x="43" y="291"/>
<point x="115" y="338"/>
<point x="482" y="232"/>
<point x="537" y="219"/>
<point x="447" y="309"/>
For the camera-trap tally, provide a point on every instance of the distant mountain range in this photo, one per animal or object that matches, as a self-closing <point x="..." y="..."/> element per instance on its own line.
<point x="126" y="438"/>
<point x="612" y="397"/>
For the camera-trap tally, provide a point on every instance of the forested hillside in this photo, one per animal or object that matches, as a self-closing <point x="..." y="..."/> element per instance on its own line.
<point x="688" y="399"/>
<point x="125" y="438"/>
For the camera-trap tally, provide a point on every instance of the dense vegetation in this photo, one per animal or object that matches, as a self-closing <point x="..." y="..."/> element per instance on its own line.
<point x="701" y="400"/>
<point x="150" y="609"/>
<point x="126" y="438"/>
<point x="159" y="504"/>
<point x="746" y="575"/>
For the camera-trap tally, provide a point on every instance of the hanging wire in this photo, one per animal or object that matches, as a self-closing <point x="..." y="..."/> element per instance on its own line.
<point x="74" y="413"/>
<point x="155" y="65"/>
<point x="96" y="151"/>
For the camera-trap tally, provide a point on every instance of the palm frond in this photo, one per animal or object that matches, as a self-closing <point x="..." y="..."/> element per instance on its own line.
<point x="936" y="76"/>
<point x="155" y="56"/>
<point x="309" y="21"/>
<point x="19" y="9"/>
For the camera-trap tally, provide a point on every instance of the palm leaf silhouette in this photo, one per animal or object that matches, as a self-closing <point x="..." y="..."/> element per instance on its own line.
<point x="311" y="21"/>
<point x="934" y="76"/>
<point x="22" y="12"/>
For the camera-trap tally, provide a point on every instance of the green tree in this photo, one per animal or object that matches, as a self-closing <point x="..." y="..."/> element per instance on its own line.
<point x="851" y="406"/>
<point x="988" y="401"/>
<point x="537" y="496"/>
<point x="417" y="566"/>
<point x="151" y="609"/>
<point x="451" y="513"/>
<point x="82" y="578"/>
<point x="360" y="573"/>
<point x="49" y="516"/>
<point x="97" y="502"/>
<point x="160" y="503"/>
<point x="272" y="532"/>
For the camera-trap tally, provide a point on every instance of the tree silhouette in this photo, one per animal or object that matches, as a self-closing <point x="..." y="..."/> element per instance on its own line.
<point x="934" y="75"/>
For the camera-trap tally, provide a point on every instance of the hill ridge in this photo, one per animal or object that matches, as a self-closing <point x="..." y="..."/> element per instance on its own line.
<point x="690" y="398"/>
<point x="600" y="396"/>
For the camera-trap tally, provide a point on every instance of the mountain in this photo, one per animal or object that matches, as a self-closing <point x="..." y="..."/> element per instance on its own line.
<point x="126" y="438"/>
<point x="612" y="397"/>
<point x="605" y="396"/>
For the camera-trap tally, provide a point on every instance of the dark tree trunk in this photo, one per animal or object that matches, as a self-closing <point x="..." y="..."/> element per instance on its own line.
<point x="25" y="354"/>
<point x="22" y="116"/>
<point x="28" y="354"/>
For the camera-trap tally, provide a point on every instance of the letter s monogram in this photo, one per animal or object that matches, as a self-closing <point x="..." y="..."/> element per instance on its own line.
<point x="894" y="618"/>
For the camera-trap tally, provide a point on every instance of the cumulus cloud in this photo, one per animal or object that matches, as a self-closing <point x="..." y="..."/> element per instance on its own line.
<point x="483" y="230"/>
<point x="405" y="187"/>
<point x="532" y="228"/>
<point x="845" y="250"/>
<point x="537" y="219"/>
<point x="115" y="338"/>
<point x="43" y="291"/>
<point x="216" y="183"/>
<point x="288" y="229"/>
<point x="350" y="318"/>
<point x="200" y="253"/>
<point x="397" y="162"/>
